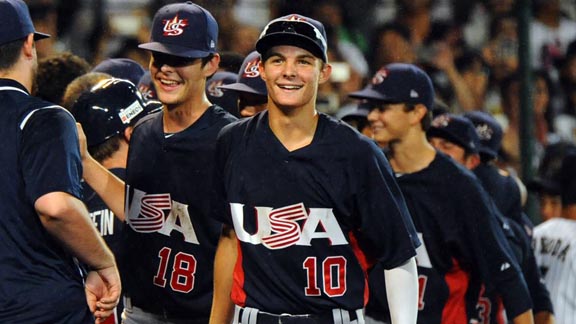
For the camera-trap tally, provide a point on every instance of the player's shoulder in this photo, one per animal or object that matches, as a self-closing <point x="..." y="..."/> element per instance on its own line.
<point x="345" y="136"/>
<point x="554" y="226"/>
<point x="222" y="115"/>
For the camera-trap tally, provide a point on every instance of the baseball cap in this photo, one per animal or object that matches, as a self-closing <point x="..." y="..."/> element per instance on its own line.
<point x="122" y="68"/>
<point x="184" y="30"/>
<point x="295" y="30"/>
<point x="108" y="108"/>
<point x="146" y="86"/>
<point x="399" y="83"/>
<point x="225" y="99"/>
<point x="15" y="22"/>
<point x="489" y="131"/>
<point x="455" y="129"/>
<point x="248" y="79"/>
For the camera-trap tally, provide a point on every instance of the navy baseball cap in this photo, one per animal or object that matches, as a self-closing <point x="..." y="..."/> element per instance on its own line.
<point x="15" y="22"/>
<point x="249" y="79"/>
<point x="225" y="99"/>
<point x="122" y="68"/>
<point x="146" y="86"/>
<point x="183" y="29"/>
<point x="399" y="83"/>
<point x="295" y="30"/>
<point x="489" y="131"/>
<point x="457" y="130"/>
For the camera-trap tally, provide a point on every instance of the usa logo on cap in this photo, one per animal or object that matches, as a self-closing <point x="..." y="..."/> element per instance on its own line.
<point x="174" y="26"/>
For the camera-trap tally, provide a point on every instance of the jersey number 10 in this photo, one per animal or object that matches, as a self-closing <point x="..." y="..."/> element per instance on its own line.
<point x="333" y="274"/>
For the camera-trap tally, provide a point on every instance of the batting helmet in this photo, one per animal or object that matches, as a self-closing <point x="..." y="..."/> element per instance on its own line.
<point x="108" y="108"/>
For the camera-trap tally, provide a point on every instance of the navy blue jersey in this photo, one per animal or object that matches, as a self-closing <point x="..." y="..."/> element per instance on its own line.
<point x="505" y="192"/>
<point x="169" y="238"/>
<point x="490" y="308"/>
<point x="39" y="281"/>
<point x="309" y="222"/>
<point x="462" y="241"/>
<point x="106" y="223"/>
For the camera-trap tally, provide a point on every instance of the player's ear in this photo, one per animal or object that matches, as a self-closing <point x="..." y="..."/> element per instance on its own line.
<point x="325" y="72"/>
<point x="211" y="66"/>
<point x="261" y="70"/>
<point x="29" y="47"/>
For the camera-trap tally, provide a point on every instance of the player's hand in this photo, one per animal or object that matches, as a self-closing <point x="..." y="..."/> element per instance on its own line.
<point x="103" y="290"/>
<point x="82" y="142"/>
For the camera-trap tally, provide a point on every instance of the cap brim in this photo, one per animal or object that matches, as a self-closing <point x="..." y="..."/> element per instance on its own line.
<point x="442" y="133"/>
<point x="370" y="94"/>
<point x="174" y="50"/>
<point x="242" y="88"/>
<point x="291" y="39"/>
<point x="39" y="36"/>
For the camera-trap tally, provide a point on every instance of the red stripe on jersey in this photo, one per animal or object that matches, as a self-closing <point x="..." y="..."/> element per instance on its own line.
<point x="238" y="294"/>
<point x="455" y="308"/>
<point x="364" y="263"/>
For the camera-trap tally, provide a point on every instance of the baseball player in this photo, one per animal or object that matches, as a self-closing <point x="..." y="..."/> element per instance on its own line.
<point x="43" y="223"/>
<point x="554" y="242"/>
<point x="462" y="239"/>
<point x="108" y="113"/>
<point x="308" y="203"/>
<point x="249" y="86"/>
<point x="169" y="241"/>
<point x="457" y="137"/>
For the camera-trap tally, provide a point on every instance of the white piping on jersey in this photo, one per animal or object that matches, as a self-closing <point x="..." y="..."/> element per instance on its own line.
<point x="14" y="89"/>
<point x="25" y="120"/>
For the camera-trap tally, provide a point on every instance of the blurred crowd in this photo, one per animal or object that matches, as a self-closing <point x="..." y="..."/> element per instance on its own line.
<point x="469" y="48"/>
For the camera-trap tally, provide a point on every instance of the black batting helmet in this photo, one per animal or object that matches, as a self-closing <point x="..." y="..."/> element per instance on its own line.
<point x="108" y="108"/>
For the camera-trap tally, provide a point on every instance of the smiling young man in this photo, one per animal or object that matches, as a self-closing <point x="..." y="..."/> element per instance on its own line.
<point x="169" y="238"/>
<point x="462" y="239"/>
<point x="309" y="204"/>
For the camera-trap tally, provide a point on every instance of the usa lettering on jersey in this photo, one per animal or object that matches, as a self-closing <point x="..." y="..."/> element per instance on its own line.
<point x="287" y="226"/>
<point x="158" y="213"/>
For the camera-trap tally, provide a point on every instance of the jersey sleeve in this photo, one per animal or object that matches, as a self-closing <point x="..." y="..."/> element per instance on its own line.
<point x="493" y="256"/>
<point x="386" y="224"/>
<point x="50" y="155"/>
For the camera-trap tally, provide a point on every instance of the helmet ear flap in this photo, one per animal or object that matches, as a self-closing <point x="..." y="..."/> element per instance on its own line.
<point x="108" y="109"/>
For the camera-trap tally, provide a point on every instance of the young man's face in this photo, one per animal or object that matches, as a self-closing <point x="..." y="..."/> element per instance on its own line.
<point x="292" y="76"/>
<point x="455" y="151"/>
<point x="389" y="122"/>
<point x="550" y="206"/>
<point x="179" y="80"/>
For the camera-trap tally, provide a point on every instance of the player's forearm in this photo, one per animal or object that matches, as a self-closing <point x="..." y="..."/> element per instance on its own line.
<point x="66" y="218"/>
<point x="524" y="318"/>
<point x="109" y="187"/>
<point x="544" y="317"/>
<point x="402" y="292"/>
<point x="225" y="260"/>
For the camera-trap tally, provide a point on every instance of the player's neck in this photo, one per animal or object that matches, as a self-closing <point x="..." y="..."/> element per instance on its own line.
<point x="179" y="117"/>
<point x="569" y="212"/>
<point x="295" y="130"/>
<point x="412" y="154"/>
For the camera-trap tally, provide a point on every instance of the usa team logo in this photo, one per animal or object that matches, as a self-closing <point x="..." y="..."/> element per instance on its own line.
<point x="151" y="217"/>
<point x="380" y="76"/>
<point x="213" y="89"/>
<point x="251" y="69"/>
<point x="174" y="26"/>
<point x="279" y="228"/>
